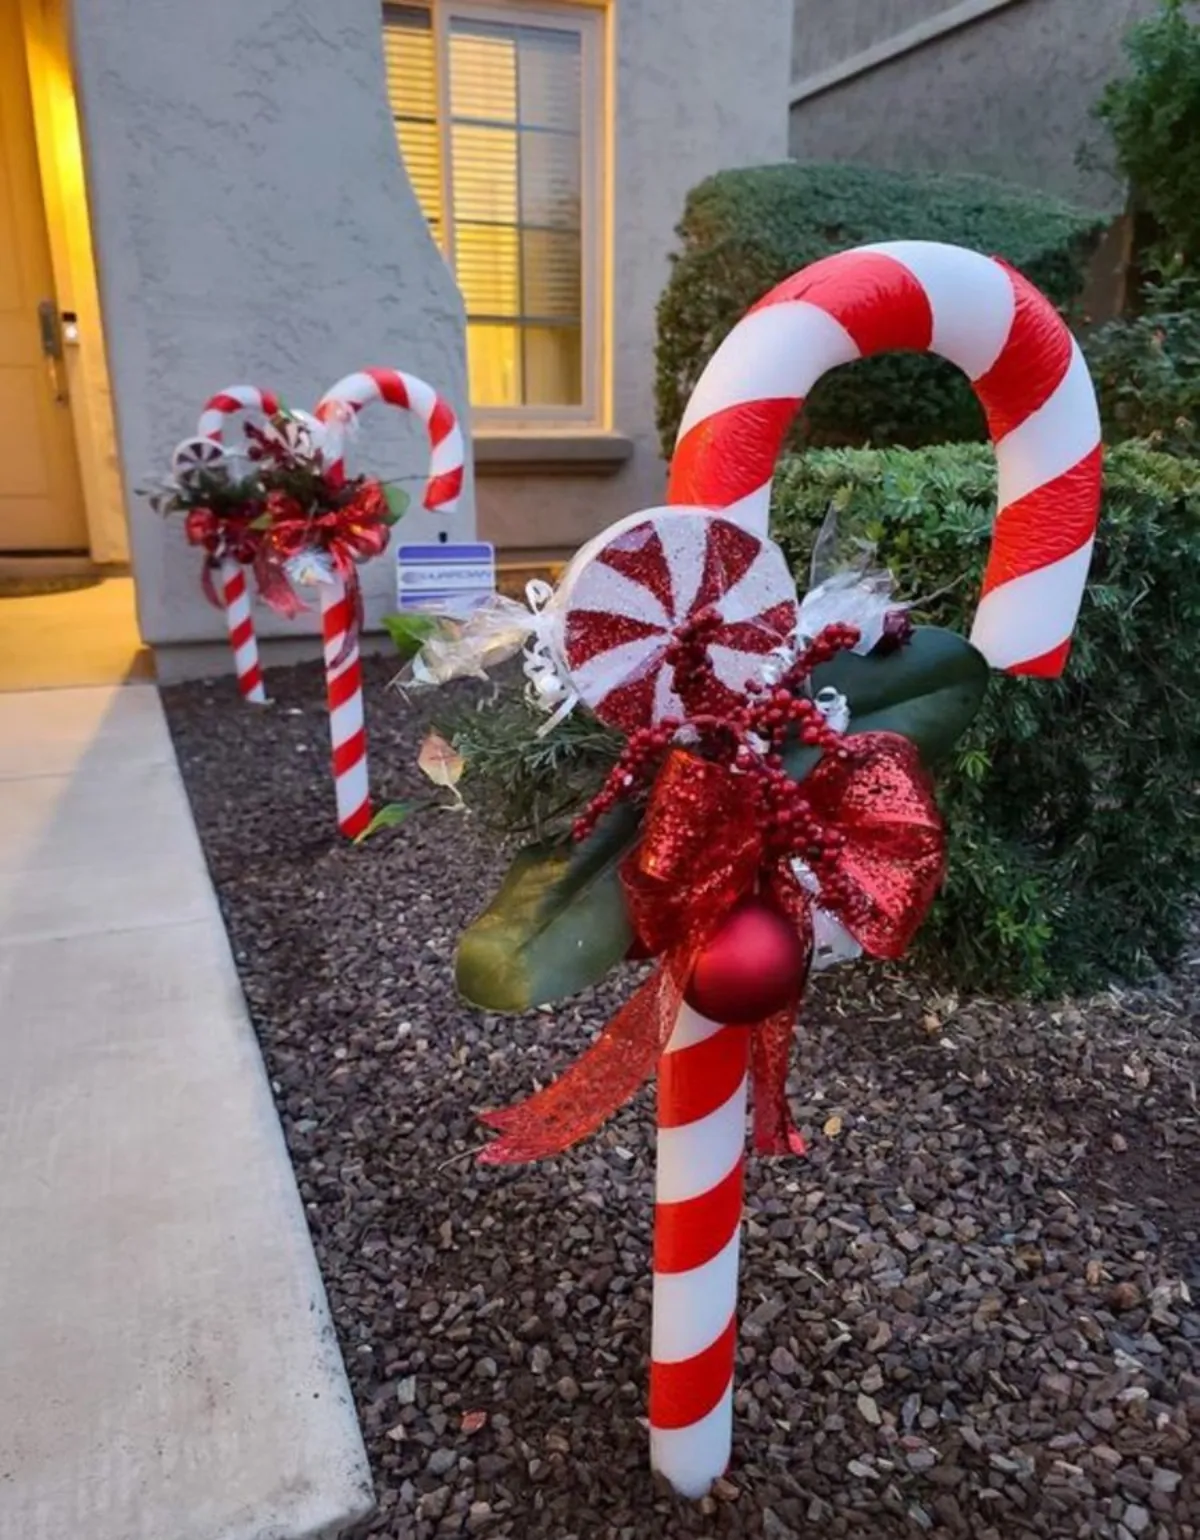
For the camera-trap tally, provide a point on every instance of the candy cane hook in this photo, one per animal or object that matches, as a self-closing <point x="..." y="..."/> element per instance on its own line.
<point x="1026" y="369"/>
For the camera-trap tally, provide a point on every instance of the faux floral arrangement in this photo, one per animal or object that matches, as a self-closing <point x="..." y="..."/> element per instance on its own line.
<point x="281" y="507"/>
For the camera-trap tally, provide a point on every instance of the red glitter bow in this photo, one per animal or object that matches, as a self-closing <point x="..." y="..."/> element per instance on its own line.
<point x="347" y="534"/>
<point x="221" y="535"/>
<point x="703" y="847"/>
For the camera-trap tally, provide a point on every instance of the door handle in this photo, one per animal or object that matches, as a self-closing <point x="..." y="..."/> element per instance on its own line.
<point x="50" y="326"/>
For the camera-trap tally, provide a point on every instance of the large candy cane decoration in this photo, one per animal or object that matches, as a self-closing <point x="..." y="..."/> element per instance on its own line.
<point x="1027" y="371"/>
<point x="1031" y="378"/>
<point x="336" y="410"/>
<point x="235" y="595"/>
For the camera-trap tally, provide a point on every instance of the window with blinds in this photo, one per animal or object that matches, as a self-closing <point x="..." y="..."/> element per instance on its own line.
<point x="490" y="113"/>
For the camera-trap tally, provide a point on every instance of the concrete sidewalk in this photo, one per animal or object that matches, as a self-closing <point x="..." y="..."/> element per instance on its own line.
<point x="168" y="1370"/>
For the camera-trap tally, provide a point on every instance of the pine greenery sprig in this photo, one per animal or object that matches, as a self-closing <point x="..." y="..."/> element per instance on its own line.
<point x="523" y="783"/>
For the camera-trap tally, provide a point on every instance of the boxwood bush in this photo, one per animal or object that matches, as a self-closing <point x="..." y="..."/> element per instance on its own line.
<point x="745" y="231"/>
<point x="1072" y="808"/>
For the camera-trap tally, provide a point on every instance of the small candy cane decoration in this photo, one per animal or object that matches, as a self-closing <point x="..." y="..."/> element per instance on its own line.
<point x="336" y="411"/>
<point x="191" y="455"/>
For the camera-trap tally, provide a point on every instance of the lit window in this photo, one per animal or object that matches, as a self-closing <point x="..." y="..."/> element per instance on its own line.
<point x="496" y="111"/>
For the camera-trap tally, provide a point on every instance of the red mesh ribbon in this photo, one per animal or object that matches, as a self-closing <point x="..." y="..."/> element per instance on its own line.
<point x="701" y="850"/>
<point x="347" y="535"/>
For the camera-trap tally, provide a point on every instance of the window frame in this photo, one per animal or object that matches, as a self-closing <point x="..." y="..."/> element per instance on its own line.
<point x="589" y="21"/>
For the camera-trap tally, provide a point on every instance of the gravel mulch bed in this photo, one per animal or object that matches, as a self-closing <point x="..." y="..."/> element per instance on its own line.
<point x="968" y="1312"/>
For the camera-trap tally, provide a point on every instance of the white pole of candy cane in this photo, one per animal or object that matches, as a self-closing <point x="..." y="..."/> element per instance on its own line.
<point x="697" y="1224"/>
<point x="235" y="594"/>
<point x="336" y="411"/>
<point x="1035" y="389"/>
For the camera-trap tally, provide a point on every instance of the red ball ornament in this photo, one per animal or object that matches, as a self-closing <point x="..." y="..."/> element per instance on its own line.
<point x="752" y="967"/>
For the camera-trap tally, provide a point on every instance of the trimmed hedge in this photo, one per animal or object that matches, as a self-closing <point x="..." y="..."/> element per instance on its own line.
<point x="1075" y="828"/>
<point x="1147" y="374"/>
<point x="742" y="232"/>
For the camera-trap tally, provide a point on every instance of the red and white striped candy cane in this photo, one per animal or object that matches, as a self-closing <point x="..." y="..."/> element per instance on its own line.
<point x="1041" y="411"/>
<point x="343" y="680"/>
<point x="234" y="592"/>
<point x="697" y="1224"/>
<point x="1027" y="371"/>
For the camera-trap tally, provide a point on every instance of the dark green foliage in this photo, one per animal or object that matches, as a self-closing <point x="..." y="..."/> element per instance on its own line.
<point x="745" y="231"/>
<point x="1153" y="114"/>
<point x="1075" y="836"/>
<point x="1147" y="374"/>
<point x="521" y="783"/>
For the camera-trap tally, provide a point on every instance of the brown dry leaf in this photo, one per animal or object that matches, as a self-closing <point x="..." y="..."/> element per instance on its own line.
<point x="472" y="1422"/>
<point x="441" y="761"/>
<point x="833" y="1127"/>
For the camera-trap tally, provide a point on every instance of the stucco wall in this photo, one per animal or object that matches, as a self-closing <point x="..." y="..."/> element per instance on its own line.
<point x="252" y="222"/>
<point x="1009" y="95"/>
<point x="698" y="88"/>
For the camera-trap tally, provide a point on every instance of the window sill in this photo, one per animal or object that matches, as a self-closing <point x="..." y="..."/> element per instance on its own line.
<point x="550" y="454"/>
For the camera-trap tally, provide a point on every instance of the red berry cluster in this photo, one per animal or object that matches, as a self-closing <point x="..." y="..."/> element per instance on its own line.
<point x="751" y="738"/>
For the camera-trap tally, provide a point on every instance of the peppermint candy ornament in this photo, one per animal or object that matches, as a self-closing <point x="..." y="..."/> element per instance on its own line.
<point x="628" y="593"/>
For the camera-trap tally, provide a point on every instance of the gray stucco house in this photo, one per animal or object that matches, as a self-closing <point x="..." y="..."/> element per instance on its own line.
<point x="481" y="192"/>
<point x="1003" y="87"/>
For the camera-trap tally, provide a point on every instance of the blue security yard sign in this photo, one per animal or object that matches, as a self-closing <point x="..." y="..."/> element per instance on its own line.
<point x="445" y="579"/>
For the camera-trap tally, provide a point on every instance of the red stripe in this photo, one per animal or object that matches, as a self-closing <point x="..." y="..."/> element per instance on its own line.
<point x="1049" y="665"/>
<point x="223" y="403"/>
<point x="697" y="1080"/>
<point x="336" y="619"/>
<point x="441" y="421"/>
<point x="390" y="386"/>
<point x="347" y="755"/>
<point x="631" y="704"/>
<point x="691" y="1233"/>
<point x="1032" y="362"/>
<point x="241" y="633"/>
<point x="235" y="586"/>
<point x="270" y="402"/>
<point x="874" y="297"/>
<point x="353" y="824"/>
<point x="250" y="680"/>
<point x="682" y="1393"/>
<point x="761" y="634"/>
<point x="443" y="489"/>
<point x="730" y="454"/>
<point x="591" y="632"/>
<point x="729" y="553"/>
<point x="344" y="687"/>
<point x="638" y="555"/>
<point x="1046" y="524"/>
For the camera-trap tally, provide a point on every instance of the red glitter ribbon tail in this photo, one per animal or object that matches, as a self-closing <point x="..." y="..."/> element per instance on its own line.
<point x="208" y="585"/>
<point x="770" y="1046"/>
<point x="600" y="1081"/>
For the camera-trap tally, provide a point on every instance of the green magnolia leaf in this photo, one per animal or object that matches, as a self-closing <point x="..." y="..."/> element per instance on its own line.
<point x="409" y="631"/>
<point x="397" y="501"/>
<point x="557" y="924"/>
<point x="928" y="691"/>
<point x="387" y="818"/>
<point x="264" y="521"/>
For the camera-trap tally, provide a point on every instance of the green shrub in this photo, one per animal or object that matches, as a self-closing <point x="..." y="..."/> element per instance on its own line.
<point x="1153" y="114"/>
<point x="1147" y="374"/>
<point x="745" y="231"/>
<point x="1075" y="837"/>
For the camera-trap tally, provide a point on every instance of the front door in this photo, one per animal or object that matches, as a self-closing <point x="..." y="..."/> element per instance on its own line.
<point x="41" y="501"/>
